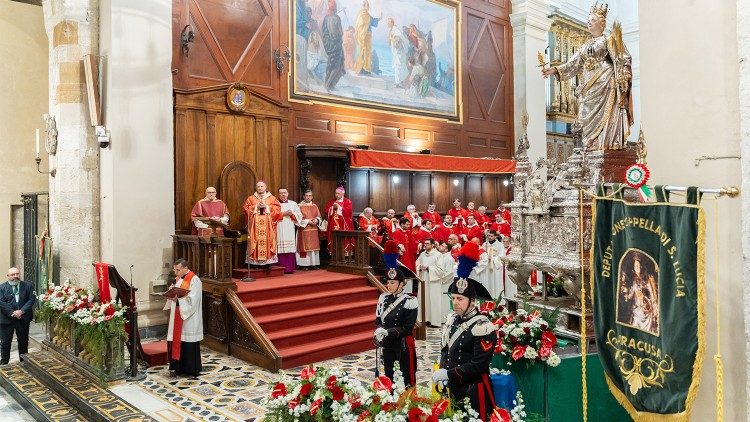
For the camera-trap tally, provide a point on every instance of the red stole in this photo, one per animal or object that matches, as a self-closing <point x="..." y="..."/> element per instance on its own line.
<point x="177" y="328"/>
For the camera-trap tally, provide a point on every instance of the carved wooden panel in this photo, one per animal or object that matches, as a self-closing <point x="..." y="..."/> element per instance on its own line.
<point x="380" y="198"/>
<point x="440" y="193"/>
<point x="208" y="137"/>
<point x="237" y="183"/>
<point x="421" y="192"/>
<point x="474" y="190"/>
<point x="234" y="42"/>
<point x="359" y="190"/>
<point x="400" y="195"/>
<point x="490" y="192"/>
<point x="488" y="82"/>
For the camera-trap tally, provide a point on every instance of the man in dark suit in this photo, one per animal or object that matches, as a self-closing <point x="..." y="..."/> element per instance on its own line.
<point x="16" y="312"/>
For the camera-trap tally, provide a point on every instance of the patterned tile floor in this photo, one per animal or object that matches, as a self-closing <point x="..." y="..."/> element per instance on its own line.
<point x="231" y="390"/>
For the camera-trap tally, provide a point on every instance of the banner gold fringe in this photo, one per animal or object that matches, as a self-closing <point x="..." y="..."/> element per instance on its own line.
<point x="684" y="416"/>
<point x="717" y="357"/>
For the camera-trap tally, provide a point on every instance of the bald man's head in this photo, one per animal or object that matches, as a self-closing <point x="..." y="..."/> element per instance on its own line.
<point x="14" y="274"/>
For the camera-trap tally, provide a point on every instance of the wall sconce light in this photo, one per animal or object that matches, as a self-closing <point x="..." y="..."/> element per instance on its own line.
<point x="281" y="55"/>
<point x="396" y="179"/>
<point x="425" y="151"/>
<point x="455" y="182"/>
<point x="186" y="38"/>
<point x="506" y="182"/>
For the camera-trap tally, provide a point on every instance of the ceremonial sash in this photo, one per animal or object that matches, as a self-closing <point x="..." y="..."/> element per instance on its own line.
<point x="392" y="306"/>
<point x="177" y="327"/>
<point x="463" y="327"/>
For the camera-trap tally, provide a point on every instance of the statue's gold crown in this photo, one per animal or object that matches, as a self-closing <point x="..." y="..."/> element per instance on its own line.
<point x="600" y="11"/>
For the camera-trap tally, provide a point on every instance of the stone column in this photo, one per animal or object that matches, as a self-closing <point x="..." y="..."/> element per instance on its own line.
<point x="73" y="30"/>
<point x="530" y="25"/>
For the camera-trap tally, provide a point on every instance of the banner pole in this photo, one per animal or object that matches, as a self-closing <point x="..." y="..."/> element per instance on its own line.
<point x="584" y="387"/>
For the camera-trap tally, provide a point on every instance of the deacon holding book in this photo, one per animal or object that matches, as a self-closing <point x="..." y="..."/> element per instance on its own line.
<point x="185" y="332"/>
<point x="206" y="210"/>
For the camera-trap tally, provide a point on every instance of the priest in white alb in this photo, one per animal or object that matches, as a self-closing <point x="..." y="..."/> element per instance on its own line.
<point x="185" y="330"/>
<point x="432" y="268"/>
<point x="492" y="276"/>
<point x="286" y="232"/>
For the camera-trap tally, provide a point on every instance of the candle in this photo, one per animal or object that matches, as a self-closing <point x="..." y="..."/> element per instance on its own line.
<point x="37" y="143"/>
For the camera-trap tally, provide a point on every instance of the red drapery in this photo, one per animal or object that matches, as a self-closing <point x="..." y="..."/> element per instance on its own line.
<point x="429" y="162"/>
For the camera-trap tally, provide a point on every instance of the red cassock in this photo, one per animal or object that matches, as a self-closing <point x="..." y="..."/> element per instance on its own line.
<point x="505" y="213"/>
<point x="502" y="228"/>
<point x="421" y="236"/>
<point x="455" y="252"/>
<point x="484" y="220"/>
<point x="406" y="239"/>
<point x="440" y="233"/>
<point x="389" y="224"/>
<point x="459" y="216"/>
<point x="432" y="216"/>
<point x="474" y="231"/>
<point x="342" y="221"/>
<point x="369" y="225"/>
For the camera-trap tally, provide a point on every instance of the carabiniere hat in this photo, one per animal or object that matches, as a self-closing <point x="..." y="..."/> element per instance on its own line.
<point x="463" y="285"/>
<point x="390" y="256"/>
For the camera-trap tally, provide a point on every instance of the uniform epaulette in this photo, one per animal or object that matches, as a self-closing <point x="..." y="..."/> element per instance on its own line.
<point x="382" y="296"/>
<point x="483" y="327"/>
<point x="411" y="302"/>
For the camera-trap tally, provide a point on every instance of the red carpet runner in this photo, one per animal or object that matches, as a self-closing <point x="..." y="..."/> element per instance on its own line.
<point x="311" y="316"/>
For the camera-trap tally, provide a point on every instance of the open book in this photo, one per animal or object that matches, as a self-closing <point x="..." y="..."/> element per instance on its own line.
<point x="176" y="292"/>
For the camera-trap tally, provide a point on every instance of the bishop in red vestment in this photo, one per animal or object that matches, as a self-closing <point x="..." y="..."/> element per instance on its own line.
<point x="340" y="217"/>
<point x="263" y="213"/>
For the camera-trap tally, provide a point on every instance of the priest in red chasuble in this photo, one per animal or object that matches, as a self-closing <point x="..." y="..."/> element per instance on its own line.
<point x="211" y="208"/>
<point x="405" y="241"/>
<point x="263" y="213"/>
<point x="458" y="214"/>
<point x="340" y="217"/>
<point x="367" y="222"/>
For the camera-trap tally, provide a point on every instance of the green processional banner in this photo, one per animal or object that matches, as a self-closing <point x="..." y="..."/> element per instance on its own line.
<point x="647" y="268"/>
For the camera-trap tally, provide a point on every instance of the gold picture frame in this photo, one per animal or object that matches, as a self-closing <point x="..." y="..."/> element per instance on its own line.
<point x="238" y="97"/>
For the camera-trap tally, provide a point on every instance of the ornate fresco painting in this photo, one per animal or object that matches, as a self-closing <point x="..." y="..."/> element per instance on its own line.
<point x="397" y="55"/>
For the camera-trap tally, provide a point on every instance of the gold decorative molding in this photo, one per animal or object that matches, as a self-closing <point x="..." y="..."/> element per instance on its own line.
<point x="566" y="37"/>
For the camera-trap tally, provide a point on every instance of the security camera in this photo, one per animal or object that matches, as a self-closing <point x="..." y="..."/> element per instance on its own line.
<point x="102" y="135"/>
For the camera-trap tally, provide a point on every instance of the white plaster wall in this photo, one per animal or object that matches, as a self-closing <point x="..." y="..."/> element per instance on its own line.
<point x="743" y="44"/>
<point x="690" y="107"/>
<point x="137" y="170"/>
<point x="23" y="83"/>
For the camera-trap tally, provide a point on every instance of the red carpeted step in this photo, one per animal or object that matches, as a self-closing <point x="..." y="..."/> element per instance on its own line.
<point x="155" y="353"/>
<point x="259" y="308"/>
<point x="324" y="331"/>
<point x="324" y="312"/>
<point x="318" y="351"/>
<point x="296" y="284"/>
<point x="256" y="273"/>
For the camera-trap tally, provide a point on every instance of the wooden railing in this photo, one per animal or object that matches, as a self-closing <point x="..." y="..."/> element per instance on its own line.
<point x="350" y="252"/>
<point x="210" y="257"/>
<point x="248" y="341"/>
